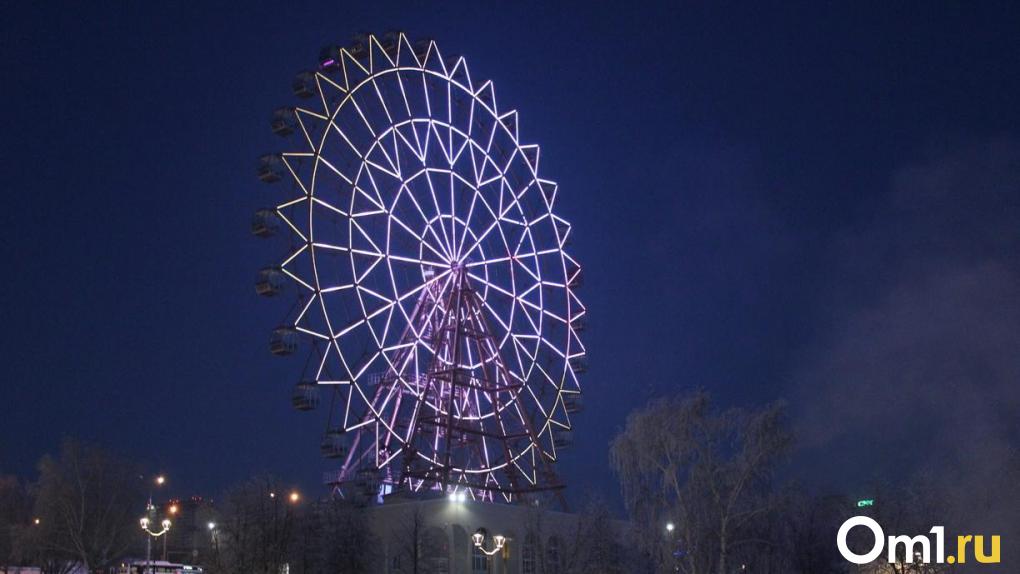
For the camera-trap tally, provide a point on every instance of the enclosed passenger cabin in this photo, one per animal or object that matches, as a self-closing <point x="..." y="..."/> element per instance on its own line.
<point x="575" y="278"/>
<point x="283" y="341"/>
<point x="330" y="57"/>
<point x="367" y="481"/>
<point x="359" y="47"/>
<point x="334" y="444"/>
<point x="305" y="85"/>
<point x="306" y="396"/>
<point x="579" y="364"/>
<point x="563" y="438"/>
<point x="284" y="121"/>
<point x="421" y="47"/>
<point x="270" y="281"/>
<point x="264" y="223"/>
<point x="390" y="41"/>
<point x="579" y="323"/>
<point x="271" y="168"/>
<point x="573" y="403"/>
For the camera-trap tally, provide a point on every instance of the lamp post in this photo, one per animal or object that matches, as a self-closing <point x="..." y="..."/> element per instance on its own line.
<point x="672" y="550"/>
<point x="478" y="538"/>
<point x="144" y="522"/>
<point x="149" y="518"/>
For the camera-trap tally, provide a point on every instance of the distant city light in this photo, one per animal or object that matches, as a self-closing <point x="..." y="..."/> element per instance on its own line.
<point x="669" y="527"/>
<point x="173" y="509"/>
<point x="36" y="521"/>
<point x="294" y="496"/>
<point x="865" y="502"/>
<point x="160" y="480"/>
<point x="212" y="526"/>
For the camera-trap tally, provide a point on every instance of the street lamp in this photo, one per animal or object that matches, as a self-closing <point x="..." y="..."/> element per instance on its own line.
<point x="150" y="517"/>
<point x="669" y="527"/>
<point x="144" y="522"/>
<point x="478" y="538"/>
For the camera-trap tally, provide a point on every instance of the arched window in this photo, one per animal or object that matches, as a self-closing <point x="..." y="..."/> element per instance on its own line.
<point x="529" y="557"/>
<point x="436" y="550"/>
<point x="461" y="554"/>
<point x="553" y="560"/>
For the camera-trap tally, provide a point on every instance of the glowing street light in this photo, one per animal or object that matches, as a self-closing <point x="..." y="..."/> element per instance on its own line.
<point x="150" y="517"/>
<point x="478" y="538"/>
<point x="144" y="523"/>
<point x="295" y="497"/>
<point x="670" y="527"/>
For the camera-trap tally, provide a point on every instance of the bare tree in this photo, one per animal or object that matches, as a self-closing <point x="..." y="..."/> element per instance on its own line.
<point x="15" y="516"/>
<point x="256" y="529"/>
<point x="708" y="473"/>
<point x="343" y="539"/>
<point x="408" y="555"/>
<point x="534" y="538"/>
<point x="808" y="530"/>
<point x="87" y="504"/>
<point x="596" y="546"/>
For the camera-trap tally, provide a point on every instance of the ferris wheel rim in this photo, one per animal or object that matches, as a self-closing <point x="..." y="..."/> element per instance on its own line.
<point x="494" y="272"/>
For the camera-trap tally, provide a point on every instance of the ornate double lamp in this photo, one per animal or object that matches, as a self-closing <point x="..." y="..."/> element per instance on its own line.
<point x="479" y="540"/>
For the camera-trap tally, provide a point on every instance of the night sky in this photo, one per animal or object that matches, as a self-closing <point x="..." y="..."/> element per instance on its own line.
<point x="817" y="203"/>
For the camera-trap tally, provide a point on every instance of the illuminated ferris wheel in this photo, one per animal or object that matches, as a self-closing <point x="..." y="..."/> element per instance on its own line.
<point x="436" y="298"/>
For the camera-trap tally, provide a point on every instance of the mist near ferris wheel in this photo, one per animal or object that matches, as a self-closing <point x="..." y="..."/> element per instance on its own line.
<point x="436" y="300"/>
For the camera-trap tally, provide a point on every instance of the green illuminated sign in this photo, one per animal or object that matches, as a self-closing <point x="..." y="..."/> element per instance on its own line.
<point x="865" y="502"/>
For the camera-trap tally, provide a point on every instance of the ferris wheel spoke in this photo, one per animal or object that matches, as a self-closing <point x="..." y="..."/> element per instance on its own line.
<point x="439" y="212"/>
<point x="522" y="303"/>
<point x="430" y="230"/>
<point x="420" y="241"/>
<point x="403" y="259"/>
<point x="467" y="223"/>
<point x="507" y="258"/>
<point x="497" y="219"/>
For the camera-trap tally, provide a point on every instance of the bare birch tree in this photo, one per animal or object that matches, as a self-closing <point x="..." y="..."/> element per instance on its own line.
<point x="88" y="504"/>
<point x="707" y="473"/>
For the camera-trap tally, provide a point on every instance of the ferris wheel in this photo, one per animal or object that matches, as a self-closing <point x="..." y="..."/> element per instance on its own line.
<point x="435" y="297"/>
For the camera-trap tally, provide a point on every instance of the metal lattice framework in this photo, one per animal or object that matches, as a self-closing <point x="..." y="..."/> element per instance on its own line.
<point x="434" y="285"/>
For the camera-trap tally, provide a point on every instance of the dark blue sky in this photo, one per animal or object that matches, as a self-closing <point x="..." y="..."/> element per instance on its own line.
<point x="734" y="175"/>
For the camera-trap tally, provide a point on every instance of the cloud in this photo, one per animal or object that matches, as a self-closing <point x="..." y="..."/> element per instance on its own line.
<point x="921" y="367"/>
